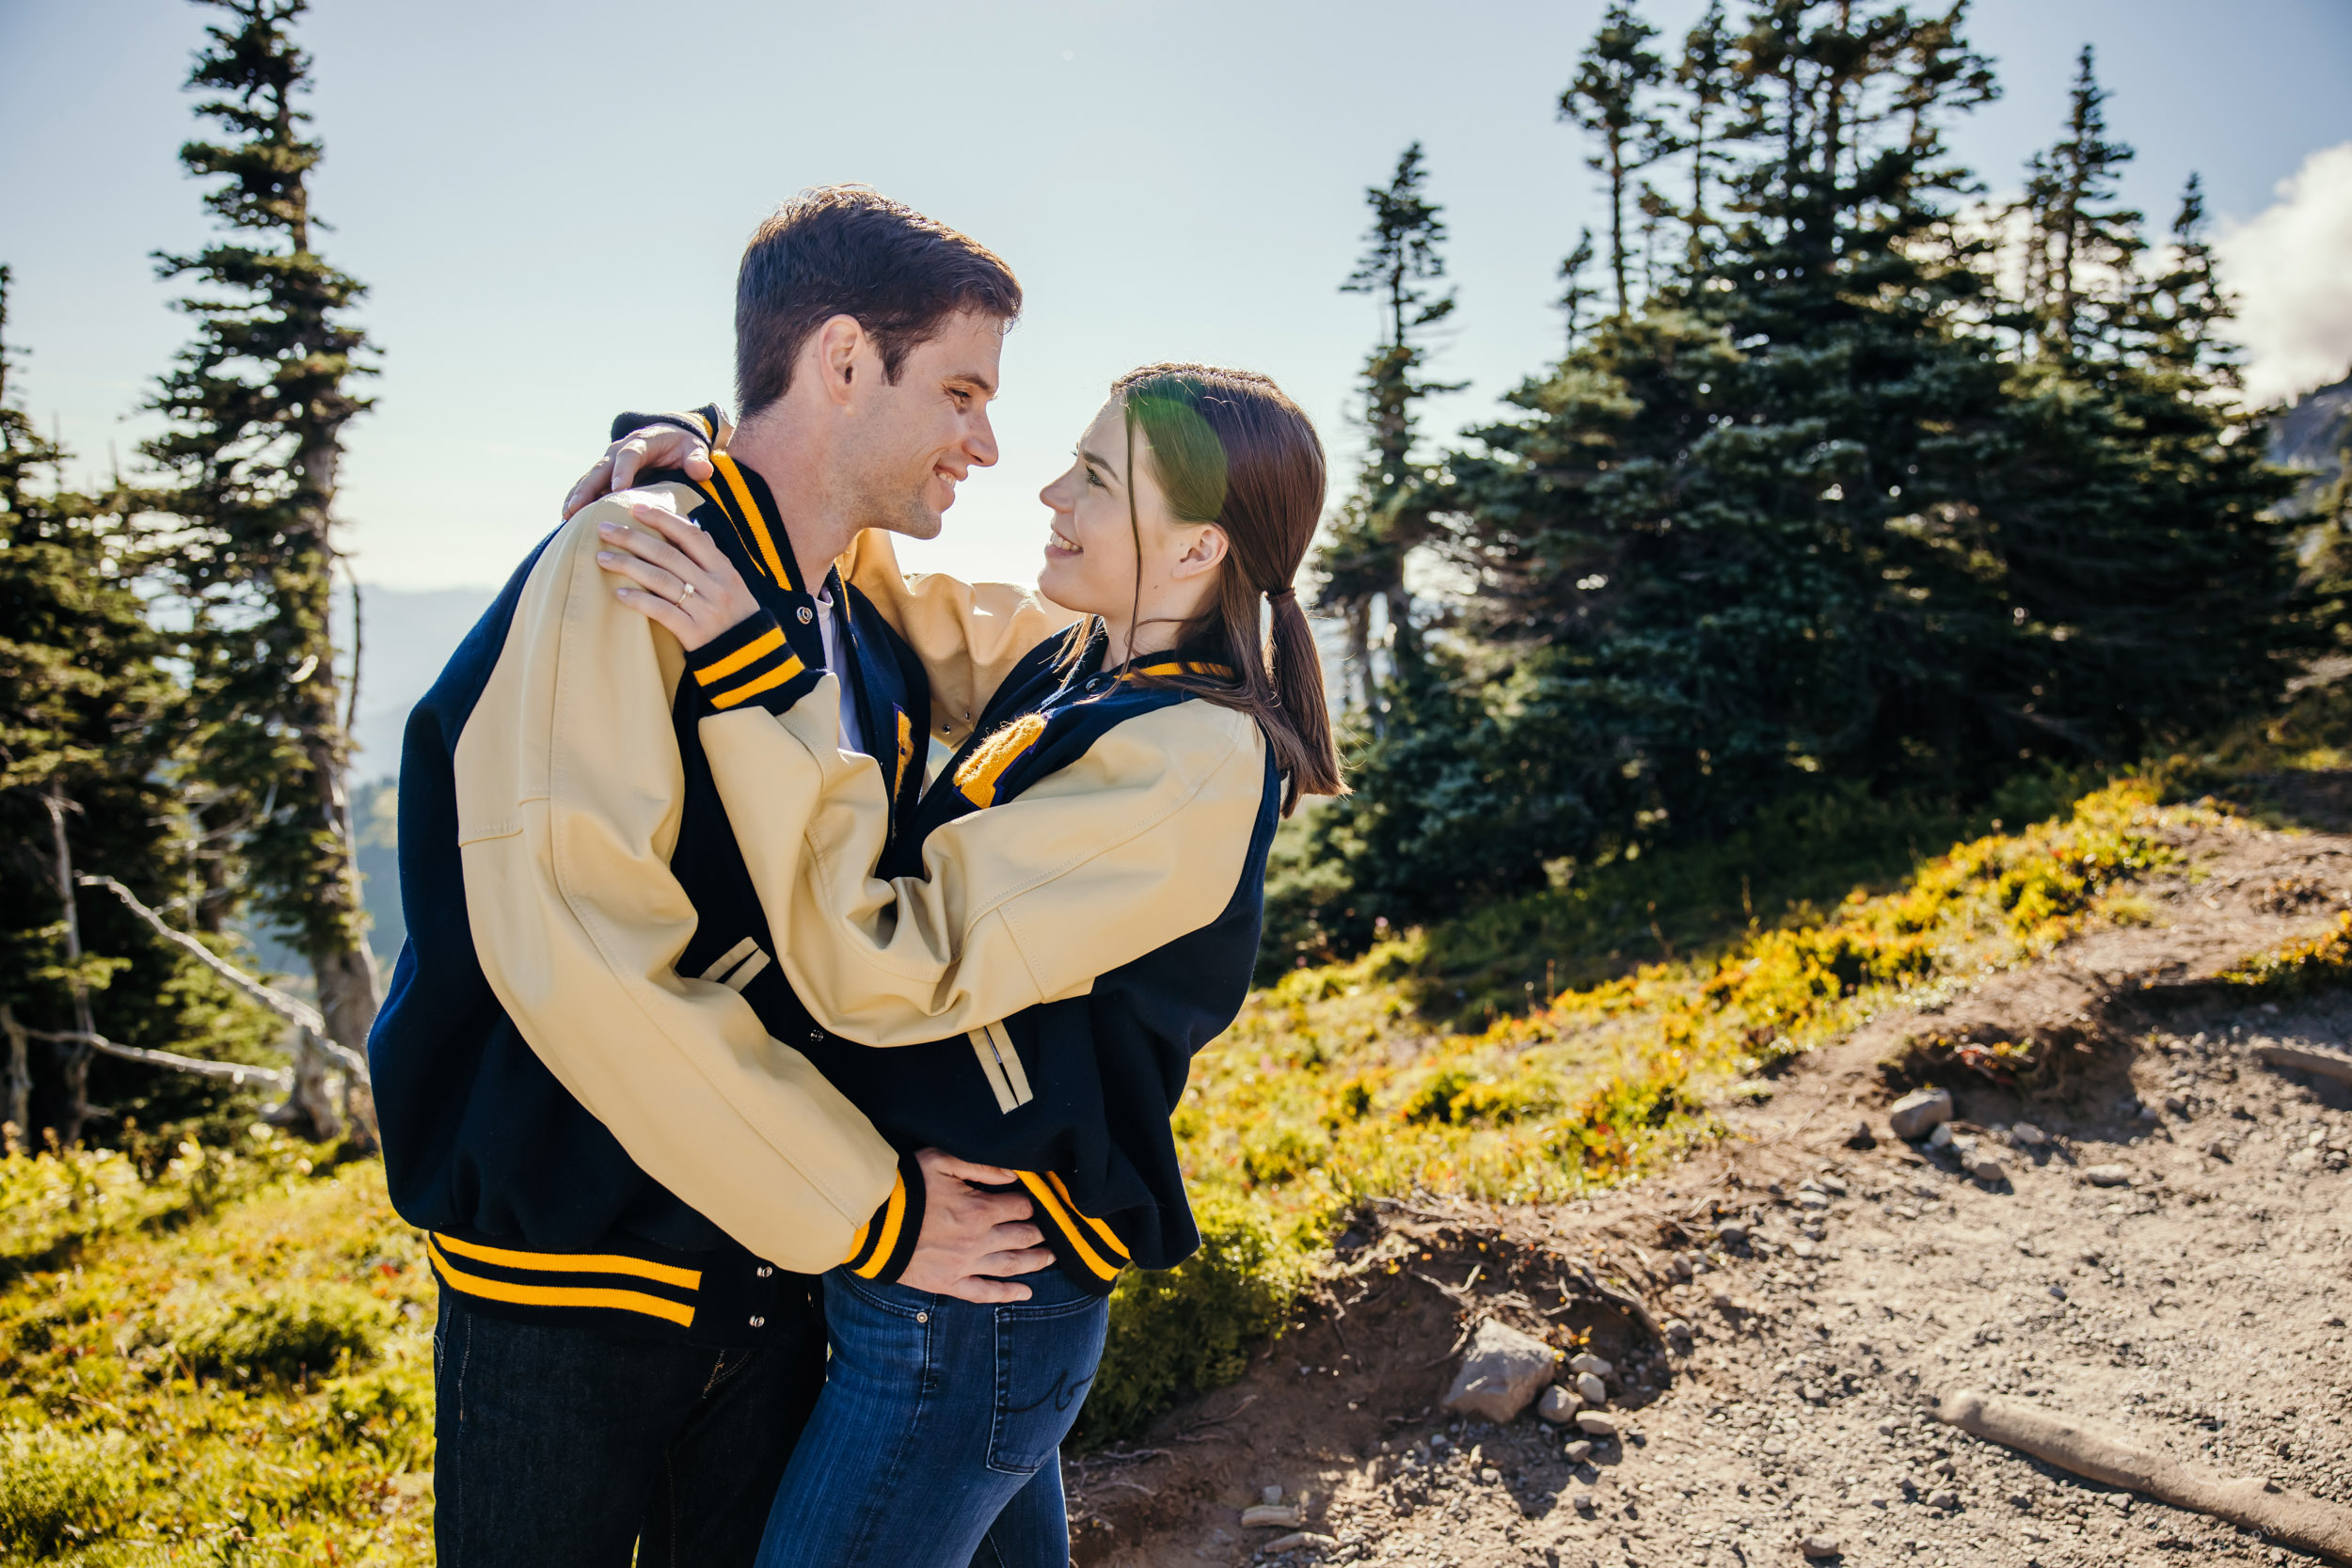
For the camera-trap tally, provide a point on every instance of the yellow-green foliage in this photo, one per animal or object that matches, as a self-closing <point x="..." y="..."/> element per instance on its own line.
<point x="1193" y="1327"/>
<point x="1328" y="1091"/>
<point x="233" y="1364"/>
<point x="2325" y="960"/>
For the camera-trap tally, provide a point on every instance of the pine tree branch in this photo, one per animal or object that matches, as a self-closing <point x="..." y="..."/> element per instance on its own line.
<point x="236" y="1072"/>
<point x="293" y="1010"/>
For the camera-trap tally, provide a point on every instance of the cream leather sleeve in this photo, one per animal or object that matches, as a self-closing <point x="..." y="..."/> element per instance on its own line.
<point x="568" y="789"/>
<point x="1139" y="841"/>
<point x="969" y="635"/>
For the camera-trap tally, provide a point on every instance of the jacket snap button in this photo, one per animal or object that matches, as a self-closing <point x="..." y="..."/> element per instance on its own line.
<point x="759" y="1323"/>
<point x="765" y="1271"/>
<point x="808" y="616"/>
<point x="922" y="1316"/>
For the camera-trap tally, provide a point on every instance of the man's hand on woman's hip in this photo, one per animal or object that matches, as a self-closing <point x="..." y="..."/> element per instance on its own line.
<point x="969" y="1234"/>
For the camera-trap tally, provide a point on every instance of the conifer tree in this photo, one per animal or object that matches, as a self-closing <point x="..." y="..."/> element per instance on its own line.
<point x="1608" y="98"/>
<point x="90" y="734"/>
<point x="2082" y="247"/>
<point x="1380" y="523"/>
<point x="259" y="402"/>
<point x="1574" y="293"/>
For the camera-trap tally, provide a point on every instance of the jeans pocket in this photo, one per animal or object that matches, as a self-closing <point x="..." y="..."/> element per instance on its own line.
<point x="1047" y="1356"/>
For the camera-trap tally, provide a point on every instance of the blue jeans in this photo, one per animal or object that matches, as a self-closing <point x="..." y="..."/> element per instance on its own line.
<point x="568" y="1445"/>
<point x="937" y="1440"/>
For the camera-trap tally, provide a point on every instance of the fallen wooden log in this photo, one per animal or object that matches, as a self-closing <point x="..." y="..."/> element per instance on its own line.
<point x="2290" y="1518"/>
<point x="2298" y="1058"/>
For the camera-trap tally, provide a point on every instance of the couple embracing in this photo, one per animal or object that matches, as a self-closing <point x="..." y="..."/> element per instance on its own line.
<point x="805" y="960"/>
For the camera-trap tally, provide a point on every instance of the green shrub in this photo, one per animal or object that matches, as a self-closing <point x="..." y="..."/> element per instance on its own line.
<point x="1191" y="1329"/>
<point x="287" y="1333"/>
<point x="60" y="1489"/>
<point x="389" y="1407"/>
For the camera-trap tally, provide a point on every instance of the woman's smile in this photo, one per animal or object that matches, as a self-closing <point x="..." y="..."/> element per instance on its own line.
<point x="1060" y="544"/>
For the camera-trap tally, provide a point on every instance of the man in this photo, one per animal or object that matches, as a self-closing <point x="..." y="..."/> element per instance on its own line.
<point x="626" y="1347"/>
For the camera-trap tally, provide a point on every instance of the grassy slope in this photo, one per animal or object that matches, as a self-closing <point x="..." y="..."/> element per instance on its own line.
<point x="231" y="1363"/>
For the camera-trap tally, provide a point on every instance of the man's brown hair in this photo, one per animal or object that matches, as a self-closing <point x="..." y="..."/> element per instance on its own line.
<point x="845" y="250"/>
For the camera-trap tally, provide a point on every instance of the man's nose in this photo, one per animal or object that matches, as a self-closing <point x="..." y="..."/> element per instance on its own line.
<point x="981" y="441"/>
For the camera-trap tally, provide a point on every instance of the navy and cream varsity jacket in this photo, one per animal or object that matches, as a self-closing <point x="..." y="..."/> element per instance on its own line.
<point x="593" y="1081"/>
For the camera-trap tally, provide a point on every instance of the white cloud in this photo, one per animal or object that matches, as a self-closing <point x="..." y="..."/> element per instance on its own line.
<point x="2291" y="266"/>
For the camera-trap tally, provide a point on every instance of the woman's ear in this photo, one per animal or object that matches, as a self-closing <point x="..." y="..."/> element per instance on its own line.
<point x="1204" y="552"/>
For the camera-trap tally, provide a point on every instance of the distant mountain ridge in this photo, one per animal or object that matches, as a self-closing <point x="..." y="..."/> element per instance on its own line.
<point x="2313" y="435"/>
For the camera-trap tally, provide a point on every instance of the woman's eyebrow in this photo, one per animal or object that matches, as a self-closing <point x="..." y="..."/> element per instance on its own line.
<point x="1101" y="463"/>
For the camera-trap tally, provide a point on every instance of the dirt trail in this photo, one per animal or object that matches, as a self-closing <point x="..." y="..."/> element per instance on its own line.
<point x="2200" y="1308"/>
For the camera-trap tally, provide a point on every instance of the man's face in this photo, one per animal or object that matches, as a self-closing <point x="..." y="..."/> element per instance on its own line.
<point x="911" y="442"/>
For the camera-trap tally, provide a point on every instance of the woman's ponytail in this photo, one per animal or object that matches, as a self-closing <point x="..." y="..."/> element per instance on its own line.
<point x="1228" y="448"/>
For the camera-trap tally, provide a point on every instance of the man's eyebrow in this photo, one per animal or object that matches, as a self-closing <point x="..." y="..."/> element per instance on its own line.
<point x="975" y="379"/>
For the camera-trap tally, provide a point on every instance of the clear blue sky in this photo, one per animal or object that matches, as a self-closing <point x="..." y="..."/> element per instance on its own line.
<point x="549" y="198"/>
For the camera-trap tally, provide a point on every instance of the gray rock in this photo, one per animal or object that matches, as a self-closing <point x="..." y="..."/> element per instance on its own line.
<point x="1593" y="1424"/>
<point x="2107" y="1176"/>
<point x="1302" y="1538"/>
<point x="1585" y="1361"/>
<point x="1270" y="1494"/>
<point x="1270" y="1516"/>
<point x="1502" y="1371"/>
<point x="1731" y="1233"/>
<point x="2024" y="1134"/>
<point x="1947" y="1499"/>
<point x="1594" y="1392"/>
<point x="1942" y="1136"/>
<point x="1987" y="1170"/>
<point x="1558" y="1405"/>
<point x="1820" y="1545"/>
<point x="1915" y="1113"/>
<point x="1577" y="1451"/>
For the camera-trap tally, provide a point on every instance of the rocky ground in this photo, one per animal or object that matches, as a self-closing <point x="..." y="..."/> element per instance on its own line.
<point x="1832" y="1292"/>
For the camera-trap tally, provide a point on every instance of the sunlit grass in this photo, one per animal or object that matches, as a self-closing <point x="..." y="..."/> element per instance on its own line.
<point x="232" y="1364"/>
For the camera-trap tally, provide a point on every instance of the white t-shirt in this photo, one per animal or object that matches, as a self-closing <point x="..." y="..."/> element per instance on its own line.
<point x="852" y="738"/>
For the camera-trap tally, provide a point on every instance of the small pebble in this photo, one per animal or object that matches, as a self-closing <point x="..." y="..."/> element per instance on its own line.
<point x="1820" y="1545"/>
<point x="1731" y="1233"/>
<point x="1593" y="1424"/>
<point x="1594" y="1391"/>
<point x="1577" y="1451"/>
<point x="2024" y="1134"/>
<point x="1944" y="1500"/>
<point x="1491" y="1475"/>
<point x="1270" y="1494"/>
<point x="1942" y="1136"/>
<point x="1585" y="1361"/>
<point x="1558" y="1405"/>
<point x="1987" y="1170"/>
<point x="2107" y="1176"/>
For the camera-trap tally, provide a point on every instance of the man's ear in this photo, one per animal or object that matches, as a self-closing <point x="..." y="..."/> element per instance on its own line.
<point x="838" y="346"/>
<point x="1205" y="552"/>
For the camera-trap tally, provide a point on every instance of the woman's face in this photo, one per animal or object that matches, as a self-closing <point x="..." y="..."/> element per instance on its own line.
<point x="1091" y="545"/>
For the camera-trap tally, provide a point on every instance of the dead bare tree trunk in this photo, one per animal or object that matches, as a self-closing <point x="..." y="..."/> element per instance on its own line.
<point x="74" y="1065"/>
<point x="20" y="1127"/>
<point x="309" y="1104"/>
<point x="316" y="1050"/>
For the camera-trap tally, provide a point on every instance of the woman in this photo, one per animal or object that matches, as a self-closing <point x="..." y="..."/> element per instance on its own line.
<point x="1130" y="772"/>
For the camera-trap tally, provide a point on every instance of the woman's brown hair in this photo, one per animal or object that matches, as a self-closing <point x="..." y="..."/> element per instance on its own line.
<point x="1228" y="448"/>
